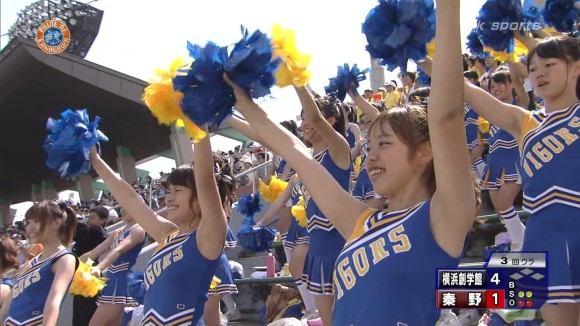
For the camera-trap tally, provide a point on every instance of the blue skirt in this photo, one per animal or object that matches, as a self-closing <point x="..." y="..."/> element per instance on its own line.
<point x="224" y="273"/>
<point x="115" y="292"/>
<point x="325" y="246"/>
<point x="297" y="235"/>
<point x="555" y="229"/>
<point x="230" y="239"/>
<point x="502" y="166"/>
<point x="363" y="188"/>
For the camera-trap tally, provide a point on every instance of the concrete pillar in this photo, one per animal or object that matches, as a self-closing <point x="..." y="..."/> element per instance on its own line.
<point x="85" y="187"/>
<point x="181" y="146"/>
<point x="126" y="164"/>
<point x="5" y="214"/>
<point x="48" y="190"/>
<point x="36" y="194"/>
<point x="377" y="75"/>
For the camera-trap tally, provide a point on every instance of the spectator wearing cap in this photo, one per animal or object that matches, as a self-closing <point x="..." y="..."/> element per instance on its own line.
<point x="88" y="235"/>
<point x="391" y="97"/>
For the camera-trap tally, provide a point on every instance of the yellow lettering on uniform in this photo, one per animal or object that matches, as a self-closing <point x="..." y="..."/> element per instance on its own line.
<point x="149" y="275"/>
<point x="157" y="267"/>
<point x="535" y="162"/>
<point x="339" y="291"/>
<point x="346" y="274"/>
<point x="35" y="277"/>
<point x="378" y="250"/>
<point x="527" y="168"/>
<point x="542" y="152"/>
<point x="553" y="144"/>
<point x="397" y="235"/>
<point x="177" y="254"/>
<point x="574" y="122"/>
<point x="361" y="262"/>
<point x="566" y="135"/>
<point x="166" y="260"/>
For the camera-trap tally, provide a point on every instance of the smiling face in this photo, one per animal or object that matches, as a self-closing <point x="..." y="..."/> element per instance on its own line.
<point x="181" y="200"/>
<point x="398" y="151"/>
<point x="501" y="90"/>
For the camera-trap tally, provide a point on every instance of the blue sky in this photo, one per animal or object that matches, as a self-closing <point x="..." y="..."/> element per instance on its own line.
<point x="136" y="37"/>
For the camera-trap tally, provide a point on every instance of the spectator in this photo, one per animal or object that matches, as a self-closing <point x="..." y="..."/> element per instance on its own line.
<point x="88" y="235"/>
<point x="391" y="96"/>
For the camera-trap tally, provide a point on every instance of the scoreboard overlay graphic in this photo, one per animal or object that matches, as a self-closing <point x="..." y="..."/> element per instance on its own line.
<point x="515" y="280"/>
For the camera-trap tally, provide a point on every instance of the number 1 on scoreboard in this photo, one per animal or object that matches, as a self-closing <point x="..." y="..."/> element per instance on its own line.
<point x="495" y="299"/>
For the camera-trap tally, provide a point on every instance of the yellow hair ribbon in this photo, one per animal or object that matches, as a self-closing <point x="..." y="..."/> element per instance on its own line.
<point x="299" y="212"/>
<point x="293" y="68"/>
<point x="483" y="125"/>
<point x="84" y="283"/>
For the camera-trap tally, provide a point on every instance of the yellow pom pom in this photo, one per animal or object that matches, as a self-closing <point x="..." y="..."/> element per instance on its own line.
<point x="191" y="128"/>
<point x="84" y="283"/>
<point x="299" y="213"/>
<point x="161" y="99"/>
<point x="357" y="164"/>
<point x="483" y="125"/>
<point x="272" y="191"/>
<point x="294" y="65"/>
<point x="431" y="49"/>
<point x="215" y="282"/>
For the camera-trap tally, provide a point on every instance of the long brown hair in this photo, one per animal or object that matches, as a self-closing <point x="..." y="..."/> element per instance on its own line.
<point x="51" y="210"/>
<point x="8" y="255"/>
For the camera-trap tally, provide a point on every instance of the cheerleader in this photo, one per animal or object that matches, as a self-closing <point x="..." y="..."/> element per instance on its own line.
<point x="125" y="245"/>
<point x="550" y="154"/>
<point x="426" y="225"/>
<point x="52" y="225"/>
<point x="476" y="139"/>
<point x="9" y="262"/>
<point x="191" y="239"/>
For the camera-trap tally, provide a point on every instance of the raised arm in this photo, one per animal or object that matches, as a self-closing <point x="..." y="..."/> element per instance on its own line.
<point x="64" y="269"/>
<point x="337" y="144"/>
<point x="244" y="128"/>
<point x="336" y="204"/>
<point x="136" y="236"/>
<point x="211" y="233"/>
<point x="454" y="203"/>
<point x="522" y="95"/>
<point x="367" y="109"/>
<point x="268" y="217"/>
<point x="157" y="226"/>
<point x="6" y="306"/>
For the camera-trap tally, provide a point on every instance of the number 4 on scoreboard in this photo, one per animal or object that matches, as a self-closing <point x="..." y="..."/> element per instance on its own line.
<point x="495" y="279"/>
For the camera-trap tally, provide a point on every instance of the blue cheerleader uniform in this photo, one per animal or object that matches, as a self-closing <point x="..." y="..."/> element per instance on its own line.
<point x="325" y="241"/>
<point x="350" y="136"/>
<point x="385" y="274"/>
<point x="31" y="290"/>
<point x="363" y="188"/>
<point x="115" y="292"/>
<point x="502" y="163"/>
<point x="550" y="156"/>
<point x="297" y="235"/>
<point x="224" y="270"/>
<point x="280" y="170"/>
<point x="177" y="278"/>
<point x="474" y="136"/>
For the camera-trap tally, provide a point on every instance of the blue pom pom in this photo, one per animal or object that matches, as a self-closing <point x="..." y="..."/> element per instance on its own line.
<point x="255" y="239"/>
<point x="561" y="14"/>
<point x="398" y="30"/>
<point x="250" y="64"/>
<point x="423" y="78"/>
<point x="474" y="44"/>
<point x="206" y="96"/>
<point x="136" y="286"/>
<point x="249" y="204"/>
<point x="69" y="142"/>
<point x="345" y="80"/>
<point x="494" y="13"/>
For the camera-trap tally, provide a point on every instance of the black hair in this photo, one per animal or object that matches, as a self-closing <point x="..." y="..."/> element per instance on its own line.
<point x="470" y="74"/>
<point x="411" y="75"/>
<point x="501" y="76"/>
<point x="563" y="47"/>
<point x="329" y="107"/>
<point x="101" y="212"/>
<point x="421" y="94"/>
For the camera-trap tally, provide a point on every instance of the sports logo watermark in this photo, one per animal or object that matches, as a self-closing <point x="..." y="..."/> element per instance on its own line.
<point x="53" y="36"/>
<point x="507" y="26"/>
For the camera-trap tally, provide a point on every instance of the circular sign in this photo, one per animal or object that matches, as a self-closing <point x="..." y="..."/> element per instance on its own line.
<point x="53" y="36"/>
